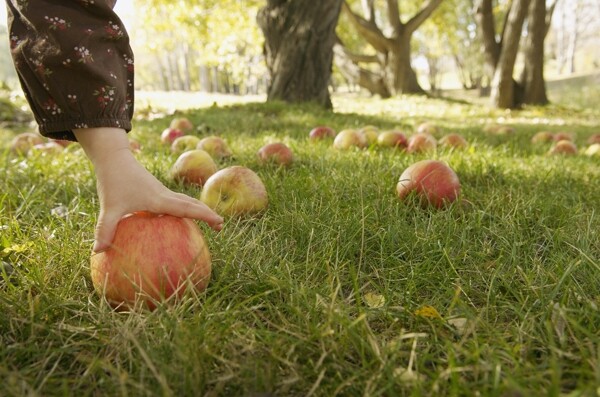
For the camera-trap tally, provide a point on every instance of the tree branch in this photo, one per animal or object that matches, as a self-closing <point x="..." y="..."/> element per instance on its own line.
<point x="487" y="28"/>
<point x="394" y="17"/>
<point x="369" y="31"/>
<point x="421" y="16"/>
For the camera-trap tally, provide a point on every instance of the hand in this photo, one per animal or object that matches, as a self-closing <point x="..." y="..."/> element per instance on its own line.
<point x="125" y="186"/>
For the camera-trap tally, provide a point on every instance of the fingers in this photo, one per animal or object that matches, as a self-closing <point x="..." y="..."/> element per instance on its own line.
<point x="105" y="230"/>
<point x="183" y="206"/>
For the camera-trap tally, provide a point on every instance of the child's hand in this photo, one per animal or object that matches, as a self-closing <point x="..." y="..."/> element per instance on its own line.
<point x="125" y="186"/>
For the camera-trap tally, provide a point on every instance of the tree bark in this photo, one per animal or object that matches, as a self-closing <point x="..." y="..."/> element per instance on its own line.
<point x="299" y="40"/>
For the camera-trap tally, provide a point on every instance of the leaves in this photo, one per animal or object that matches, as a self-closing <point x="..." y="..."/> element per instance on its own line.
<point x="428" y="312"/>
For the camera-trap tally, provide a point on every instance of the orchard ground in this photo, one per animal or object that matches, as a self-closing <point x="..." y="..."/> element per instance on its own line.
<point x="338" y="288"/>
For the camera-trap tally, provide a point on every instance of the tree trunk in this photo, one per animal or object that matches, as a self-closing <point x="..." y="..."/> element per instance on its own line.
<point x="504" y="88"/>
<point x="299" y="39"/>
<point x="404" y="78"/>
<point x="532" y="79"/>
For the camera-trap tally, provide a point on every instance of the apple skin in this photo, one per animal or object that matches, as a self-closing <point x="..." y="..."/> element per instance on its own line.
<point x="193" y="167"/>
<point x="593" y="150"/>
<point x="542" y="137"/>
<point x="235" y="191"/>
<point x="184" y="143"/>
<point x="594" y="139"/>
<point x="169" y="135"/>
<point x="371" y="133"/>
<point x="427" y="128"/>
<point x="182" y="123"/>
<point x="215" y="146"/>
<point x="348" y="139"/>
<point x="321" y="132"/>
<point x="275" y="153"/>
<point x="152" y="258"/>
<point x="563" y="147"/>
<point x="394" y="139"/>
<point x="422" y="142"/>
<point x="23" y="142"/>
<point x="135" y="146"/>
<point x="563" y="136"/>
<point x="454" y="140"/>
<point x="434" y="182"/>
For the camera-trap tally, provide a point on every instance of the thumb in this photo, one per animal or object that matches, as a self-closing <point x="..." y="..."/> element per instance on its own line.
<point x="105" y="230"/>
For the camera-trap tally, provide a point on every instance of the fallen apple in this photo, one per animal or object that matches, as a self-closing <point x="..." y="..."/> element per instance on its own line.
<point x="563" y="136"/>
<point x="235" y="191"/>
<point x="593" y="150"/>
<point x="24" y="141"/>
<point x="422" y="142"/>
<point x="321" y="132"/>
<point x="594" y="139"/>
<point x="135" y="146"/>
<point x="193" y="167"/>
<point x="184" y="143"/>
<point x="347" y="139"/>
<point x="215" y="146"/>
<point x="395" y="139"/>
<point x="433" y="181"/>
<point x="62" y="142"/>
<point x="371" y="133"/>
<point x="563" y="147"/>
<point x="169" y="135"/>
<point x="49" y="148"/>
<point x="427" y="128"/>
<point x="275" y="153"/>
<point x="453" y="140"/>
<point x="152" y="258"/>
<point x="499" y="129"/>
<point x="182" y="123"/>
<point x="542" y="137"/>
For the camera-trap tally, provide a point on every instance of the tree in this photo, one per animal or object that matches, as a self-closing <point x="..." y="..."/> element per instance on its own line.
<point x="298" y="48"/>
<point x="393" y="51"/>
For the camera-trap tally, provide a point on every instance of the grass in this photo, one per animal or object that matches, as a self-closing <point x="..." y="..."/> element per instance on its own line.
<point x="339" y="288"/>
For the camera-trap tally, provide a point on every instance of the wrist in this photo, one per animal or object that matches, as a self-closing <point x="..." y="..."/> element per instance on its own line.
<point x="104" y="145"/>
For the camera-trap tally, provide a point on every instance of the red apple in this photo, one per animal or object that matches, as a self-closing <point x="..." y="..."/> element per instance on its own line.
<point x="62" y="142"/>
<point x="594" y="139"/>
<point x="321" y="132"/>
<point x="235" y="191"/>
<point x="24" y="141"/>
<point x="193" y="167"/>
<point x="276" y="153"/>
<point x="152" y="258"/>
<point x="563" y="147"/>
<point x="169" y="135"/>
<point x="427" y="128"/>
<point x="184" y="143"/>
<point x="593" y="150"/>
<point x="182" y="124"/>
<point x="347" y="139"/>
<point x="422" y="142"/>
<point x="542" y="137"/>
<point x="215" y="146"/>
<point x="434" y="182"/>
<point x="454" y="140"/>
<point x="395" y="139"/>
<point x="563" y="136"/>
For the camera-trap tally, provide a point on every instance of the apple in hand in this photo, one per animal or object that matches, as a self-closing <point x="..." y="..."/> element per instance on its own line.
<point x="184" y="143"/>
<point x="347" y="139"/>
<point x="563" y="147"/>
<point x="24" y="141"/>
<point x="422" y="142"/>
<point x="169" y="135"/>
<point x="395" y="139"/>
<point x="275" y="153"/>
<point x="182" y="123"/>
<point x="321" y="132"/>
<point x="193" y="167"/>
<point x="152" y="258"/>
<point x="453" y="140"/>
<point x="215" y="146"/>
<point x="433" y="181"/>
<point x="235" y="191"/>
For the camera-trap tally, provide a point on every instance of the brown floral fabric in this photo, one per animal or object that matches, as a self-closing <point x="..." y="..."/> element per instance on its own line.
<point x="74" y="63"/>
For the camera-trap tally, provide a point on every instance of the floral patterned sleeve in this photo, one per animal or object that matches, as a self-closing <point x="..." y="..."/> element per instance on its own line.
<point x="74" y="63"/>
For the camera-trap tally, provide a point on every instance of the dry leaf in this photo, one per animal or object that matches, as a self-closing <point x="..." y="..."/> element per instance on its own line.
<point x="374" y="301"/>
<point x="427" y="312"/>
<point x="459" y="323"/>
<point x="558" y="321"/>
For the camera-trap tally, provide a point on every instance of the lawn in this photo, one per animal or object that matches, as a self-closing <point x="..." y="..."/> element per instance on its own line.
<point x="339" y="288"/>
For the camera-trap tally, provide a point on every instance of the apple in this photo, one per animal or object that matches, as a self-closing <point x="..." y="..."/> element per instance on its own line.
<point x="371" y="133"/>
<point x="347" y="139"/>
<point x="564" y="147"/>
<point x="169" y="135"/>
<point x="275" y="153"/>
<point x="215" y="146"/>
<point x="49" y="148"/>
<point x="563" y="136"/>
<point x="542" y="137"/>
<point x="193" y="167"/>
<point x="62" y="142"/>
<point x="321" y="132"/>
<point x="427" y="128"/>
<point x="454" y="140"/>
<point x="135" y="146"/>
<point x="433" y="181"/>
<point x="395" y="139"/>
<point x="24" y="141"/>
<point x="593" y="150"/>
<point x="498" y="129"/>
<point x="235" y="191"/>
<point x="182" y="124"/>
<point x="594" y="139"/>
<point x="152" y="258"/>
<point x="184" y="143"/>
<point x="422" y="142"/>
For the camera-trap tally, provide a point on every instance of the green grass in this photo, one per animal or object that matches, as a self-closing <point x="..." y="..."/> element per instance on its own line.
<point x="324" y="293"/>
